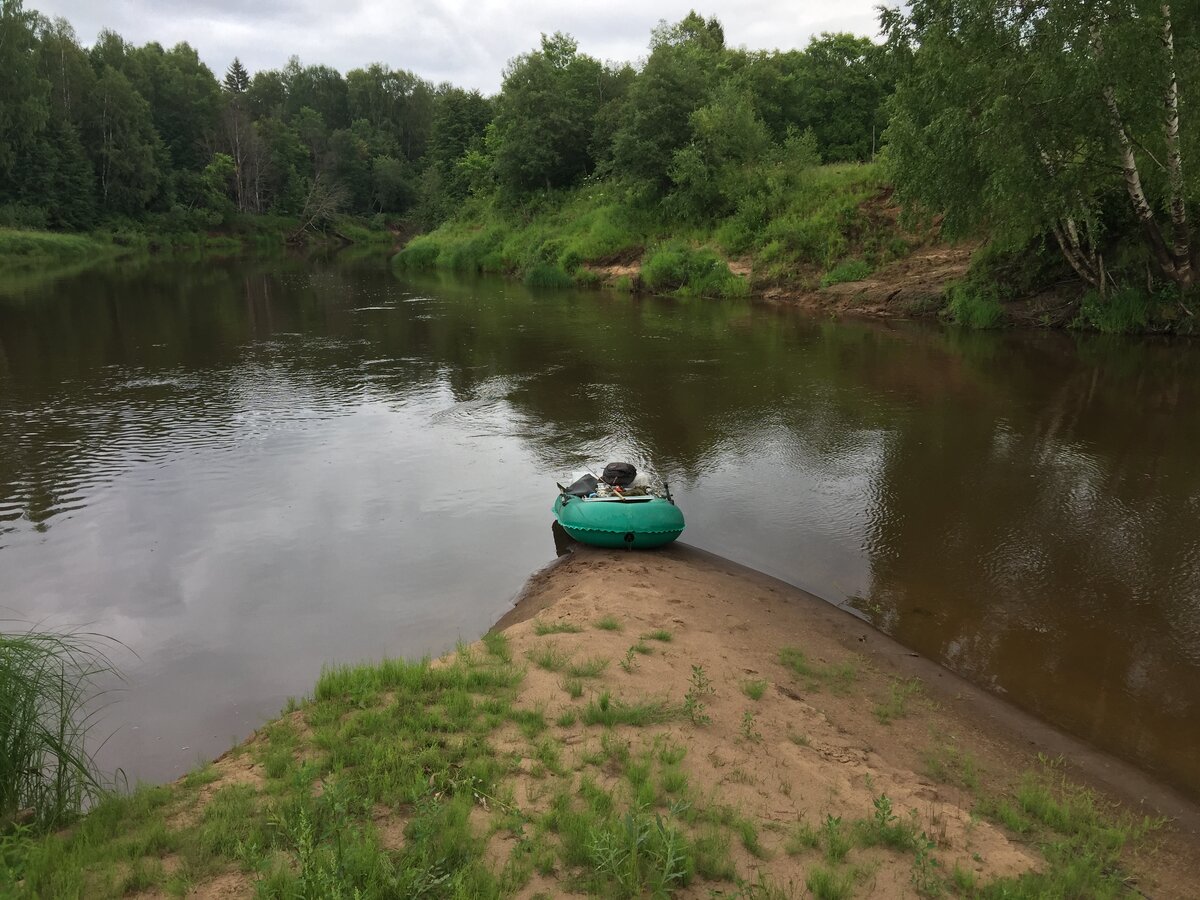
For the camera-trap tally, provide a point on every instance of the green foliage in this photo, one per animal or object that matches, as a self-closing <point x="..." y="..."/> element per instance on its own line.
<point x="47" y="682"/>
<point x="896" y="704"/>
<point x="839" y="676"/>
<point x="754" y="688"/>
<point x="974" y="305"/>
<point x="608" y="623"/>
<point x="546" y="275"/>
<point x="1122" y="311"/>
<point x="1062" y="160"/>
<point x="609" y="711"/>
<point x="675" y="267"/>
<point x="544" y="117"/>
<point x="847" y="270"/>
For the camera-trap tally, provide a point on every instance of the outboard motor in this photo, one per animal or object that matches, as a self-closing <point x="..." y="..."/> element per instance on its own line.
<point x="618" y="474"/>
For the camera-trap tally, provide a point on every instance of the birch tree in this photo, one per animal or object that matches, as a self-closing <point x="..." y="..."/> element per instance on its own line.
<point x="1053" y="118"/>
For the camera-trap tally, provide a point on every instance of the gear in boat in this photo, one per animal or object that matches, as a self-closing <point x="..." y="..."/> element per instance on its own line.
<point x="621" y="508"/>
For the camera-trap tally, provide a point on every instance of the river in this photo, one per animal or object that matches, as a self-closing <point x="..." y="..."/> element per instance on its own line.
<point x="244" y="470"/>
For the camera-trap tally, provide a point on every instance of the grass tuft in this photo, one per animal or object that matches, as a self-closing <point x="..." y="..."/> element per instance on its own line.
<point x="610" y="711"/>
<point x="837" y="677"/>
<point x="542" y="628"/>
<point x="608" y="623"/>
<point x="46" y="688"/>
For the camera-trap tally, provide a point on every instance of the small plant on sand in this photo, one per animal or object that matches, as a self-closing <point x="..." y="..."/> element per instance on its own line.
<point x="642" y="856"/>
<point x="573" y="687"/>
<point x="886" y="829"/>
<point x="754" y="689"/>
<point x="827" y="885"/>
<point x="548" y="658"/>
<point x="926" y="877"/>
<point x="608" y="623"/>
<point x="802" y="837"/>
<point x="748" y="731"/>
<point x="497" y="645"/>
<point x="588" y="668"/>
<point x="837" y="845"/>
<point x="629" y="663"/>
<point x="605" y="710"/>
<point x="693" y="701"/>
<point x="896" y="704"/>
<point x="659" y="634"/>
<point x="838" y="677"/>
<point x="566" y="718"/>
<point x="542" y="627"/>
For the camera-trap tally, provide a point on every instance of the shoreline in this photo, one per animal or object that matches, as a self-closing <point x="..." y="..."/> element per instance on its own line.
<point x="753" y="736"/>
<point x="979" y="707"/>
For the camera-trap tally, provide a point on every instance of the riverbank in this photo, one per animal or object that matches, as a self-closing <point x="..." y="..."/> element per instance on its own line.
<point x="640" y="722"/>
<point x="24" y="252"/>
<point x="829" y="239"/>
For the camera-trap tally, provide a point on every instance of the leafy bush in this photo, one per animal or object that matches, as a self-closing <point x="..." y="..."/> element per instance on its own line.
<point x="546" y="275"/>
<point x="1124" y="310"/>
<point x="421" y="253"/>
<point x="974" y="306"/>
<point x="847" y="270"/>
<point x="675" y="267"/>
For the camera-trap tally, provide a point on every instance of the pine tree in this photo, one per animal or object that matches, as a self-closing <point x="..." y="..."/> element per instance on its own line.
<point x="237" y="79"/>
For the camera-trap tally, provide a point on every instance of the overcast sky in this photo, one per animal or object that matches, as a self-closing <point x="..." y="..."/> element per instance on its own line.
<point x="466" y="42"/>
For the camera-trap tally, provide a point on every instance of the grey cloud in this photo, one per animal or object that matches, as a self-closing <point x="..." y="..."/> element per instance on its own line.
<point x="467" y="43"/>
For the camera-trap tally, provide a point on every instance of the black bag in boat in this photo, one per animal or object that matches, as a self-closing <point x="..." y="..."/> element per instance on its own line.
<point x="619" y="474"/>
<point x="581" y="488"/>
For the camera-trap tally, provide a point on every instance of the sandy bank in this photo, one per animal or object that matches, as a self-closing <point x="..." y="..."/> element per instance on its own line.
<point x="648" y="724"/>
<point x="902" y="726"/>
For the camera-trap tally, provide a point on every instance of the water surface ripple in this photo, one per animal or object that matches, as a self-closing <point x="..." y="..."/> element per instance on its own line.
<point x="246" y="470"/>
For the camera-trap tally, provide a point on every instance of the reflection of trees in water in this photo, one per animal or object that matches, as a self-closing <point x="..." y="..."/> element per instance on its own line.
<point x="1034" y="524"/>
<point x="1032" y="510"/>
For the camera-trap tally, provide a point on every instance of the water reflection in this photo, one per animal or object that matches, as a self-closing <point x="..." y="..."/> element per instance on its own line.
<point x="246" y="469"/>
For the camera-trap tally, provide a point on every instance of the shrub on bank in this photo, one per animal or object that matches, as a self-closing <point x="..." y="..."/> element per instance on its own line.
<point x="675" y="267"/>
<point x="847" y="270"/>
<point x="974" y="306"/>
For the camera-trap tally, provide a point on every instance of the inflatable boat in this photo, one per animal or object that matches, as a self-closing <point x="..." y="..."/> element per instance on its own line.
<point x="618" y="510"/>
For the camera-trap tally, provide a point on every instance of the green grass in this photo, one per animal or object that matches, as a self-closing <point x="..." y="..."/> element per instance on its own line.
<point x="549" y="658"/>
<point x="973" y="305"/>
<point x="659" y="634"/>
<point x="619" y="817"/>
<point x="608" y="623"/>
<point x="28" y="248"/>
<point x="47" y="682"/>
<point x="895" y="706"/>
<point x="592" y="667"/>
<point x="794" y="224"/>
<point x="826" y="884"/>
<point x="952" y="765"/>
<point x="609" y="711"/>
<point x="754" y="688"/>
<point x="838" y="677"/>
<point x="542" y="627"/>
<point x="847" y="270"/>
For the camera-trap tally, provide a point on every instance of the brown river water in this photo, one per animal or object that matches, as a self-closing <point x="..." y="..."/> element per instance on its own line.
<point x="245" y="470"/>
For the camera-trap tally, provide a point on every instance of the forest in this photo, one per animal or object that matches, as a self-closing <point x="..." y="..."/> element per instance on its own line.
<point x="1055" y="135"/>
<point x="113" y="131"/>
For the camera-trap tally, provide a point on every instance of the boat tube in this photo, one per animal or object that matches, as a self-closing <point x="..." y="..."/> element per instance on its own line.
<point x="616" y="511"/>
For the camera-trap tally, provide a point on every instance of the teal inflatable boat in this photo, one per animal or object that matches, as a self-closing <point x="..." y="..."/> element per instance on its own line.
<point x="610" y="514"/>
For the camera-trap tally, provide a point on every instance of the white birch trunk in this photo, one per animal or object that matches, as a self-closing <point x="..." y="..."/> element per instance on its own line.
<point x="1181" y="243"/>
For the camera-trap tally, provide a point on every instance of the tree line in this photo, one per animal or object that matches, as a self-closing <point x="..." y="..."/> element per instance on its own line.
<point x="1064" y="128"/>
<point x="115" y="132"/>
